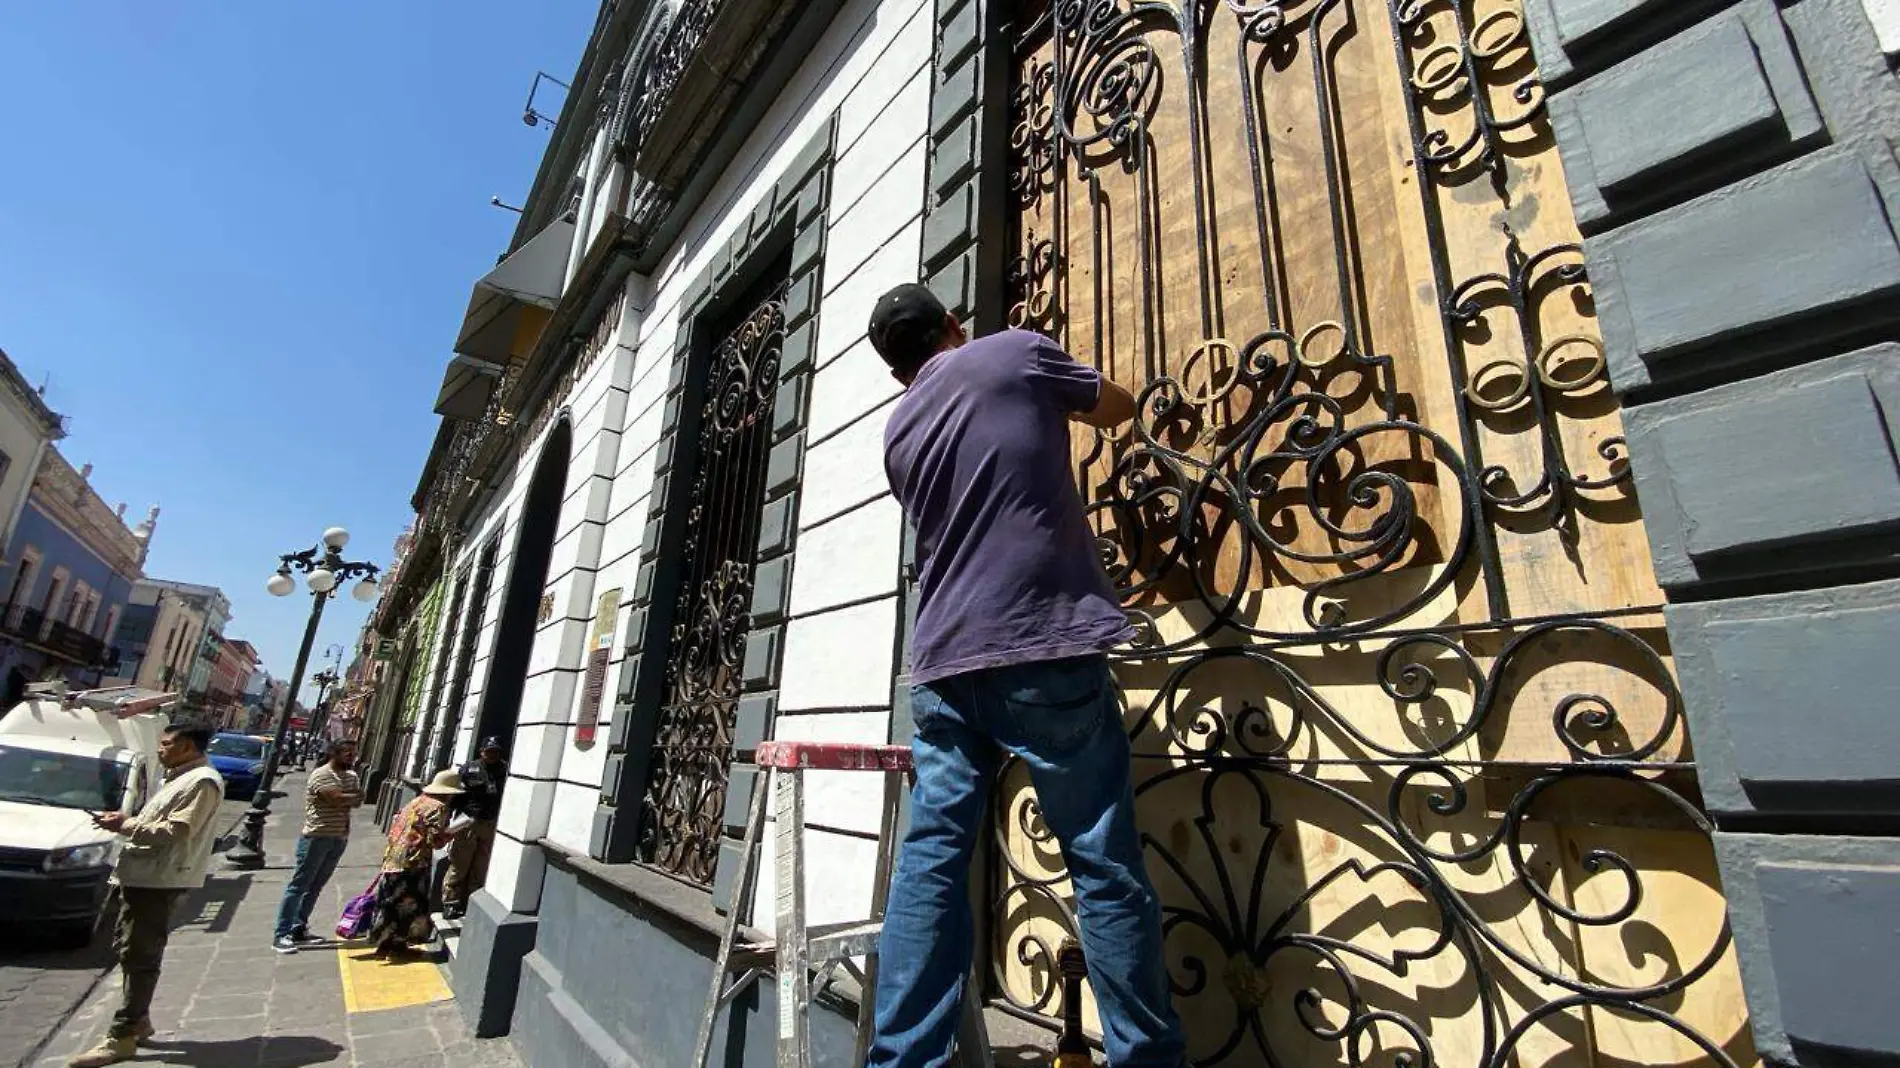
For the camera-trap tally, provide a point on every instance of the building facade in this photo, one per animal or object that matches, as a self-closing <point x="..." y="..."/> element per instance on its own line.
<point x="68" y="578"/>
<point x="171" y="635"/>
<point x="27" y="429"/>
<point x="1515" y="409"/>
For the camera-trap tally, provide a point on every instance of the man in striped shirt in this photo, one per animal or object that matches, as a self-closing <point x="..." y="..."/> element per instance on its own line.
<point x="329" y="795"/>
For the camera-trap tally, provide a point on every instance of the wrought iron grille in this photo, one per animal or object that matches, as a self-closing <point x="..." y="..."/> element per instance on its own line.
<point x="469" y="635"/>
<point x="439" y="679"/>
<point x="686" y="789"/>
<point x="1410" y="763"/>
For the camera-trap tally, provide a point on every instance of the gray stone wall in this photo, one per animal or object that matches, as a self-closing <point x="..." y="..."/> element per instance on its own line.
<point x="612" y="983"/>
<point x="1732" y="166"/>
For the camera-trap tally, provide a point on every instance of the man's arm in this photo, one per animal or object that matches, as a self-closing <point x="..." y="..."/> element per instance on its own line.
<point x="1113" y="407"/>
<point x="194" y="813"/>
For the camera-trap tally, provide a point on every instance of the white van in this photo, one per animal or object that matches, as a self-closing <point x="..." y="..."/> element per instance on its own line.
<point x="64" y="756"/>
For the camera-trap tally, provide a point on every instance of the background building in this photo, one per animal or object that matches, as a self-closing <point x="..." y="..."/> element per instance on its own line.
<point x="27" y="428"/>
<point x="169" y="636"/>
<point x="70" y="572"/>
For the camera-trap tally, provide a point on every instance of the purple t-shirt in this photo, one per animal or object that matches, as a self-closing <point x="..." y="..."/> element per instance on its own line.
<point x="977" y="453"/>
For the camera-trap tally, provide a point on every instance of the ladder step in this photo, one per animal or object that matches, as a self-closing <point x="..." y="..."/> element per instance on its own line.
<point x="836" y="941"/>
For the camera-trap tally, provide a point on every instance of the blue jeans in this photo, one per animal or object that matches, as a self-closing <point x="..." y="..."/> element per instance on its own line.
<point x="1063" y="719"/>
<point x="316" y="862"/>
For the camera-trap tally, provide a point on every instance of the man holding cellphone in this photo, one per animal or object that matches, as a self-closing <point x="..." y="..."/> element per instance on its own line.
<point x="167" y="849"/>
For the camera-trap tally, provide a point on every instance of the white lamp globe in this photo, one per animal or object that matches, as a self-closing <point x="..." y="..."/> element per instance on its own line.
<point x="280" y="585"/>
<point x="365" y="590"/>
<point x="336" y="537"/>
<point x="322" y="580"/>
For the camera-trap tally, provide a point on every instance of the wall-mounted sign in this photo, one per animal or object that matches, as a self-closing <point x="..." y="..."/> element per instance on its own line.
<point x="599" y="651"/>
<point x="546" y="611"/>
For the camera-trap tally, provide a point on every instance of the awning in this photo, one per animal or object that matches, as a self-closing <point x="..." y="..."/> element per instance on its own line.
<point x="506" y="309"/>
<point x="466" y="387"/>
<point x="531" y="276"/>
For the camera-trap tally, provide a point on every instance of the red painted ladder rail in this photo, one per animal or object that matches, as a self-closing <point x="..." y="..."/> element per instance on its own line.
<point x="797" y="947"/>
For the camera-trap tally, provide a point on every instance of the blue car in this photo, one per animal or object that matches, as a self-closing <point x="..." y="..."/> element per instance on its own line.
<point x="240" y="759"/>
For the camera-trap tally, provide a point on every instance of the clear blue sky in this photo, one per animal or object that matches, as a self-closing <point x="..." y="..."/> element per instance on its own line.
<point x="238" y="240"/>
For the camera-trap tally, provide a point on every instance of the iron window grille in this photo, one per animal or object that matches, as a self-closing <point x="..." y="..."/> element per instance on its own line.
<point x="682" y="807"/>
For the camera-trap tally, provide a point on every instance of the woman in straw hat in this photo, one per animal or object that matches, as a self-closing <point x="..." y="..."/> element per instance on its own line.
<point x="402" y="894"/>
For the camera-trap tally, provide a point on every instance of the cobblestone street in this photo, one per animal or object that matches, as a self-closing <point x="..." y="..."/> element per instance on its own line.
<point x="227" y="1000"/>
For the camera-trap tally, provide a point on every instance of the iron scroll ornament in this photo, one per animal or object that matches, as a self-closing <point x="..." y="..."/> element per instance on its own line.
<point x="1242" y="438"/>
<point x="682" y="810"/>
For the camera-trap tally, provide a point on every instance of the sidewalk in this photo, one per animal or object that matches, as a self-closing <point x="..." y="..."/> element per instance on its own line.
<point x="227" y="1000"/>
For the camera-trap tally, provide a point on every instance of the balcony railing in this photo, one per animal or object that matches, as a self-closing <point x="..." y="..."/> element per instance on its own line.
<point x="31" y="625"/>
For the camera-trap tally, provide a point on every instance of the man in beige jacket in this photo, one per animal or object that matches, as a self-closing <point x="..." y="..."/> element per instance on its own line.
<point x="167" y="848"/>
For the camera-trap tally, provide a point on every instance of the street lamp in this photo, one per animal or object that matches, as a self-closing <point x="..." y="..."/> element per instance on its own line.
<point x="324" y="569"/>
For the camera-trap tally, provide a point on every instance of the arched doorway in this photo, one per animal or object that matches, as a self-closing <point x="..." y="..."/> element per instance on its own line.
<point x="527" y="575"/>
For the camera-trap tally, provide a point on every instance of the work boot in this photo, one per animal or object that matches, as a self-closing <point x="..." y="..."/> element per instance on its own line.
<point x="111" y="1051"/>
<point x="142" y="1034"/>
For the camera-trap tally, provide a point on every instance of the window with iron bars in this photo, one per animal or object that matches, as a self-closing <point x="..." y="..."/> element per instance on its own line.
<point x="683" y="805"/>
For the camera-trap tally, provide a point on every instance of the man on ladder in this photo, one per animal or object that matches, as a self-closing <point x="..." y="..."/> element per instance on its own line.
<point x="1014" y="617"/>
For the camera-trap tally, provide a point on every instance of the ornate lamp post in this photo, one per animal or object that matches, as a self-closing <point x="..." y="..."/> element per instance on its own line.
<point x="326" y="571"/>
<point x="320" y="712"/>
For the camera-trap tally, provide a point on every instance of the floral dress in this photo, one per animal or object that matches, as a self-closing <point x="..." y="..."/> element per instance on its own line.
<point x="402" y="894"/>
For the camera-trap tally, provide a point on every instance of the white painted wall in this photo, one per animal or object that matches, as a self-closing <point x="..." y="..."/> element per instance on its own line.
<point x="1885" y="15"/>
<point x="845" y="568"/>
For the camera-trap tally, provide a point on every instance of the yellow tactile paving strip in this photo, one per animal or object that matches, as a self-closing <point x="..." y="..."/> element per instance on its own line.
<point x="370" y="985"/>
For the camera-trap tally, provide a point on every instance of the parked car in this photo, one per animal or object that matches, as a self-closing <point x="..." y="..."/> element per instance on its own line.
<point x="62" y="758"/>
<point x="240" y="759"/>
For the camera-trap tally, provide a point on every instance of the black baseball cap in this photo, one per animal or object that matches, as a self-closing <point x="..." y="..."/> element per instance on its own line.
<point x="490" y="742"/>
<point x="907" y="324"/>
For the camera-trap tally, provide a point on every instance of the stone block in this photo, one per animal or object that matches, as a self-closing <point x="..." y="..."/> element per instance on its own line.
<point x="956" y="95"/>
<point x="791" y="406"/>
<point x="741" y="780"/>
<point x="960" y="35"/>
<point x="612" y="777"/>
<point x="663" y="454"/>
<point x="726" y="872"/>
<point x="1832" y="929"/>
<point x="1789" y="703"/>
<point x="1815" y="934"/>
<point x="670" y="415"/>
<point x="650" y="539"/>
<point x="1574" y="37"/>
<point x="784" y="466"/>
<point x="642" y="592"/>
<point x="808" y="247"/>
<point x="950" y="226"/>
<point x="801" y="299"/>
<point x="813" y="156"/>
<point x="810" y="202"/>
<point x="777" y="526"/>
<point x="954" y="156"/>
<point x="754" y="719"/>
<point x="771" y="590"/>
<point x="1796" y="458"/>
<point x="762" y="657"/>
<point x="636" y="631"/>
<point x="629" y="675"/>
<point x="1701" y="106"/>
<point x="1806" y="250"/>
<point x="795" y="353"/>
<point x="955" y="284"/>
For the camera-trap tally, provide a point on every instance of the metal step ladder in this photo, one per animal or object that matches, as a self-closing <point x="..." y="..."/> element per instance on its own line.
<point x="799" y="948"/>
<point x="121" y="701"/>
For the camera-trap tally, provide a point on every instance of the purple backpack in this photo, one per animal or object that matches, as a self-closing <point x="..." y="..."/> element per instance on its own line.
<point x="359" y="913"/>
